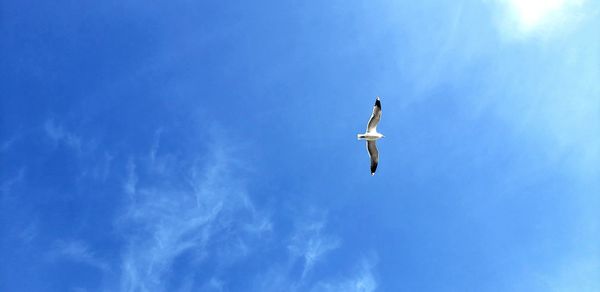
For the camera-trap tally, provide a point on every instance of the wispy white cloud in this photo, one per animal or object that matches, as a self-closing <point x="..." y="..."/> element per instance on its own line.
<point x="94" y="162"/>
<point x="131" y="181"/>
<point x="58" y="134"/>
<point x="76" y="251"/>
<point x="309" y="246"/>
<point x="8" y="184"/>
<point x="281" y="277"/>
<point x="7" y="144"/>
<point x="195" y="208"/>
<point x="212" y="285"/>
<point x="203" y="213"/>
<point x="29" y="233"/>
<point x="362" y="281"/>
<point x="155" y="146"/>
<point x="311" y="243"/>
<point x="101" y="171"/>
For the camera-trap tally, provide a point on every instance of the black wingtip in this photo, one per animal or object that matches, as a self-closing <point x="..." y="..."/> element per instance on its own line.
<point x="377" y="102"/>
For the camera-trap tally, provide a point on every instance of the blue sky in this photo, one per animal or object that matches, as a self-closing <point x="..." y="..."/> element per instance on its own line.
<point x="211" y="146"/>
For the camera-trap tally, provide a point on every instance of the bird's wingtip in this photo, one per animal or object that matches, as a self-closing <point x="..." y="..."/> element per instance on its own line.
<point x="378" y="102"/>
<point x="372" y="173"/>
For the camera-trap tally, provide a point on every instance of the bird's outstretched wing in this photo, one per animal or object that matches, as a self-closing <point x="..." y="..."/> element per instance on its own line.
<point x="374" y="154"/>
<point x="375" y="117"/>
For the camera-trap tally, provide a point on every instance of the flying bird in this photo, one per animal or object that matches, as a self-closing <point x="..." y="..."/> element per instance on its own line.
<point x="371" y="135"/>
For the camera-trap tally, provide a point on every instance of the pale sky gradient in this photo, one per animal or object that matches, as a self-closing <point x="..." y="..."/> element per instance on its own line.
<point x="211" y="146"/>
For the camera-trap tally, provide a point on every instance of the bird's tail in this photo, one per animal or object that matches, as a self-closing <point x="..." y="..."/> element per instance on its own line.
<point x="361" y="136"/>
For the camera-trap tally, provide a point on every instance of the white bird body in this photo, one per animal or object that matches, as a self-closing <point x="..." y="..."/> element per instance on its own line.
<point x="369" y="136"/>
<point x="372" y="135"/>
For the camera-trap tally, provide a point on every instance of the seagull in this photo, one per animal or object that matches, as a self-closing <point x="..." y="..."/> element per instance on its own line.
<point x="371" y="135"/>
